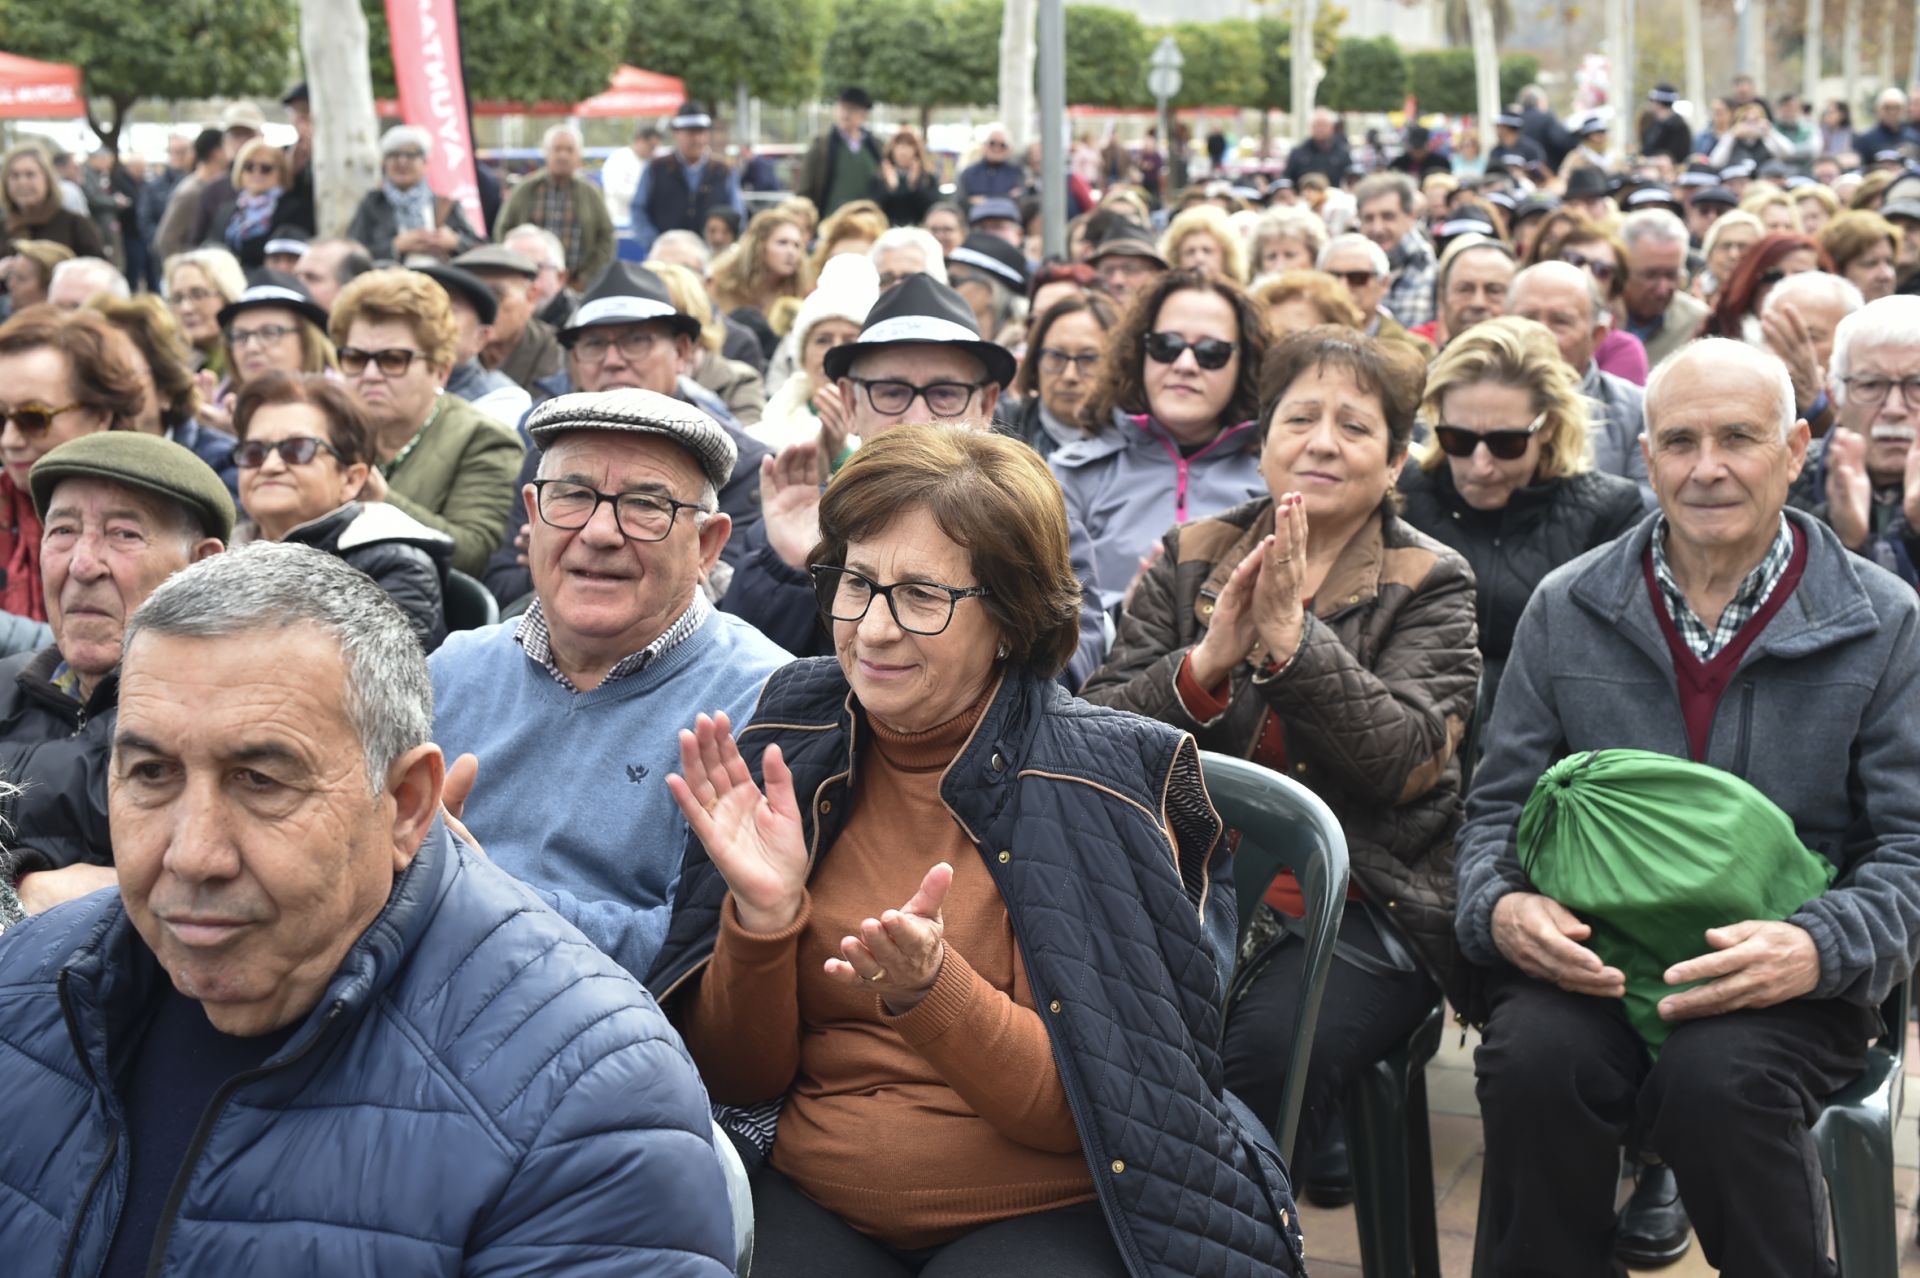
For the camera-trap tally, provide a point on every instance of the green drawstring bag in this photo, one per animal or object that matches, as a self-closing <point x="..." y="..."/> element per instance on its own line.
<point x="1651" y="851"/>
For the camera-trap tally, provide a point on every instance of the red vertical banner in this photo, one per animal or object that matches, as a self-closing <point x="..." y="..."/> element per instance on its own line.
<point x="433" y="95"/>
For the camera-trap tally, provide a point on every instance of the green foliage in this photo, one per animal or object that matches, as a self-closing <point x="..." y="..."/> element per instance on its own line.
<point x="1224" y="65"/>
<point x="1517" y="71"/>
<point x="1107" y="52"/>
<point x="1276" y="63"/>
<point x="903" y="52"/>
<point x="716" y="45"/>
<point x="132" y="49"/>
<point x="564" y="51"/>
<point x="1366" y="75"/>
<point x="1442" y="80"/>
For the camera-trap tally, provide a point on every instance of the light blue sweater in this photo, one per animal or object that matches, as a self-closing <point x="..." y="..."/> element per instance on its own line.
<point x="572" y="796"/>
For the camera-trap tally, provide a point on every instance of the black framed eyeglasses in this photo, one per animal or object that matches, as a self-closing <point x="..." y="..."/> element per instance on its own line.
<point x="918" y="607"/>
<point x="294" y="450"/>
<point x="392" y="362"/>
<point x="1507" y="445"/>
<point x="1355" y="280"/>
<point x="1599" y="268"/>
<point x="639" y="516"/>
<point x="1210" y="353"/>
<point x="1871" y="388"/>
<point x="943" y="399"/>
<point x="266" y="334"/>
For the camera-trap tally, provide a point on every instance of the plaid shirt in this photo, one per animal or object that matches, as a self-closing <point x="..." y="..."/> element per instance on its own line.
<point x="537" y="643"/>
<point x="1409" y="298"/>
<point x="1739" y="611"/>
<point x="556" y="215"/>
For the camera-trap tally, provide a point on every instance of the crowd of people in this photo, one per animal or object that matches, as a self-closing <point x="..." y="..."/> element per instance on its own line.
<point x="793" y="850"/>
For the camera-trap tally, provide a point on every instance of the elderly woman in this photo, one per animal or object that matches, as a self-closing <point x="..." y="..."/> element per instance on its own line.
<point x="769" y="263"/>
<point x="274" y="325"/>
<point x="1863" y="246"/>
<point x="1170" y="421"/>
<point x="1817" y="207"/>
<point x="1295" y="301"/>
<point x="201" y="283"/>
<point x="30" y="198"/>
<point x="244" y="222"/>
<point x="402" y="217"/>
<point x="170" y="394"/>
<point x="1316" y="633"/>
<point x="63" y="374"/>
<point x="435" y="456"/>
<point x="808" y="404"/>
<point x="885" y="917"/>
<point x="1601" y="253"/>
<point x="1738" y="304"/>
<point x="1286" y="239"/>
<point x="1726" y="242"/>
<point x="1505" y="478"/>
<point x="1065" y="347"/>
<point x="305" y="453"/>
<point x="1775" y="208"/>
<point x="1202" y="239"/>
<point x="27" y="271"/>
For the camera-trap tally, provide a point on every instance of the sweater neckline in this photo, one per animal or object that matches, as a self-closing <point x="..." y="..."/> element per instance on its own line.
<point x="934" y="748"/>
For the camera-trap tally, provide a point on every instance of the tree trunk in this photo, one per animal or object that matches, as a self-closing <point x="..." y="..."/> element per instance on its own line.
<point x="1850" y="62"/>
<point x="1762" y="57"/>
<point x="1619" y="68"/>
<point x="1696" y="62"/>
<point x="346" y="165"/>
<point x="1016" y="73"/>
<point x="1302" y="55"/>
<point x="1813" y="56"/>
<point x="1883" y="22"/>
<point x="109" y="132"/>
<point x="1486" y="69"/>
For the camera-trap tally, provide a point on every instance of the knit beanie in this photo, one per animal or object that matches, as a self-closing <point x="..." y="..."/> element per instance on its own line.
<point x="846" y="290"/>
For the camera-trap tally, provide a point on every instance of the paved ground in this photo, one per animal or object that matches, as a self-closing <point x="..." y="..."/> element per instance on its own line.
<point x="1334" y="1250"/>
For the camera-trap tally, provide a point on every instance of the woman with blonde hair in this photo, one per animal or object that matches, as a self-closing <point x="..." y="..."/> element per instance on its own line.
<point x="199" y="283"/>
<point x="851" y="228"/>
<point x="1504" y="475"/>
<point x="1726" y="242"/>
<point x="1288" y="238"/>
<point x="1202" y="239"/>
<point x="769" y="262"/>
<point x="1777" y="211"/>
<point x="1817" y="206"/>
<point x="1299" y="300"/>
<point x="27" y="271"/>
<point x="262" y="175"/>
<point x="737" y="385"/>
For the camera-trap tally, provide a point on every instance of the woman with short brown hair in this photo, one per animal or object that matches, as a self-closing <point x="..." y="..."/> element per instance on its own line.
<point x="171" y="399"/>
<point x="1298" y="300"/>
<point x="30" y="198"/>
<point x="1864" y="247"/>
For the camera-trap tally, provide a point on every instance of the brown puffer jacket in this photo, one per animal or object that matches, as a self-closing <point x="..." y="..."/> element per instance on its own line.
<point x="1374" y="704"/>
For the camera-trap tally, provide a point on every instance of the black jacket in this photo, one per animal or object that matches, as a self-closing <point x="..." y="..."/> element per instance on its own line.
<point x="907" y="203"/>
<point x="1331" y="160"/>
<point x="56" y="749"/>
<point x="1512" y="549"/>
<point x="1670" y="137"/>
<point x="404" y="557"/>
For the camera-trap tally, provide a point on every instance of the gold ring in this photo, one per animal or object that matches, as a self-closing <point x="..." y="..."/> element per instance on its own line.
<point x="880" y="975"/>
<point x="711" y="804"/>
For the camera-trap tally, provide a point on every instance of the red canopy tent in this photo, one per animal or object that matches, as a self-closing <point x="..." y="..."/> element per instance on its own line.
<point x="636" y="92"/>
<point x="39" y="90"/>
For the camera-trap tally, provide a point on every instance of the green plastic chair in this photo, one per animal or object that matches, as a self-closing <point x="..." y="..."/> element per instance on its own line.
<point x="469" y="604"/>
<point x="1285" y="826"/>
<point x="1854" y="1135"/>
<point x="1392" y="1152"/>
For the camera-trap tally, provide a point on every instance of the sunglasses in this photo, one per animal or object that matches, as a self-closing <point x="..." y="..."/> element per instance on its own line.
<point x="295" y="450"/>
<point x="393" y="362"/>
<point x="251" y="167"/>
<point x="1506" y="445"/>
<point x="1355" y="279"/>
<point x="33" y="418"/>
<point x="1209" y="353"/>
<point x="1600" y="270"/>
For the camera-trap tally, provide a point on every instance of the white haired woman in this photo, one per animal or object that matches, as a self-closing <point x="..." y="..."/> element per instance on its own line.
<point x="402" y="218"/>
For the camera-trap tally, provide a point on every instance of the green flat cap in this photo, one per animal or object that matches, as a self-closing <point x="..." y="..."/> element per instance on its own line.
<point x="146" y="462"/>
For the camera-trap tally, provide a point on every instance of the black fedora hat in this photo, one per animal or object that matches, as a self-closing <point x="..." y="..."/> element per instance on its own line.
<point x="627" y="293"/>
<point x="920" y="310"/>
<point x="275" y="288"/>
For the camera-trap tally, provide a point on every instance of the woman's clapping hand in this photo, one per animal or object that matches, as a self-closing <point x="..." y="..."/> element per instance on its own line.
<point x="755" y="840"/>
<point x="898" y="955"/>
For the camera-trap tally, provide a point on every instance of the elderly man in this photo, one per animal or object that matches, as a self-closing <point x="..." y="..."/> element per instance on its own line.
<point x="840" y="164"/>
<point x="1388" y="205"/>
<point x="1566" y="300"/>
<point x="121" y="513"/>
<point x="996" y="174"/>
<point x="1660" y="311"/>
<point x="329" y="265"/>
<point x="1715" y="631"/>
<point x="79" y="278"/>
<point x="1126" y="261"/>
<point x="1475" y="273"/>
<point x="919" y="358"/>
<point x="519" y="345"/>
<point x="1363" y="267"/>
<point x="333" y="1030"/>
<point x="557" y="197"/>
<point x="474" y="309"/>
<point x="678" y="189"/>
<point x="1865" y="478"/>
<point x="1798" y="321"/>
<point x="906" y="250"/>
<point x="1891" y="131"/>
<point x="574" y="709"/>
<point x="1323" y="151"/>
<point x="554" y="299"/>
<point x="628" y="334"/>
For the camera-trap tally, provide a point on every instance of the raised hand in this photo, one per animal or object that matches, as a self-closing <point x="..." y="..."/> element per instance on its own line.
<point x="755" y="840"/>
<point x="1230" y="631"/>
<point x="898" y="955"/>
<point x="836" y="423"/>
<point x="790" y="501"/>
<point x="1849" y="489"/>
<point x="1786" y="332"/>
<point x="1279" y="607"/>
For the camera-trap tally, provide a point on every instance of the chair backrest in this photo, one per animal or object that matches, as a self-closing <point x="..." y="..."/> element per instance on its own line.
<point x="1285" y="826"/>
<point x="469" y="604"/>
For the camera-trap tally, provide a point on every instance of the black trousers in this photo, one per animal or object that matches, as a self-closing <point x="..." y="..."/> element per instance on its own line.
<point x="795" y="1237"/>
<point x="1365" y="1011"/>
<point x="1562" y="1078"/>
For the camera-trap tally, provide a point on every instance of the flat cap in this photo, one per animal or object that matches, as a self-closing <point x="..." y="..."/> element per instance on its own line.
<point x="144" y="462"/>
<point x="493" y="257"/>
<point x="639" y="412"/>
<point x="465" y="285"/>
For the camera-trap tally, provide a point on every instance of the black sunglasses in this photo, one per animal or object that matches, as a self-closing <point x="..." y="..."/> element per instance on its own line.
<point x="1355" y="279"/>
<point x="393" y="362"/>
<point x="1209" y="353"/>
<point x="1461" y="441"/>
<point x="1600" y="270"/>
<point x="295" y="450"/>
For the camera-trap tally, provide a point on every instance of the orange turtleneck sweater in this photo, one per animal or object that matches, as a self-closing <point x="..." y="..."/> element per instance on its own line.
<point x="914" y="1129"/>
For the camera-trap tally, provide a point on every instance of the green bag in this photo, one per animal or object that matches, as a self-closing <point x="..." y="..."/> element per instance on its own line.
<point x="1651" y="851"/>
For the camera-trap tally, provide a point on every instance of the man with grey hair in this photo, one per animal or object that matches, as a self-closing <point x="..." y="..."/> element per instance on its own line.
<point x="573" y="710"/>
<point x="553" y="296"/>
<point x="1362" y="266"/>
<point x="677" y="190"/>
<point x="1715" y="630"/>
<point x="557" y="197"/>
<point x="1797" y="322"/>
<point x="80" y="278"/>
<point x="682" y="248"/>
<point x="906" y="250"/>
<point x="332" y="1025"/>
<point x="1322" y="151"/>
<point x="1565" y="299"/>
<point x="1864" y="477"/>
<point x="328" y="265"/>
<point x="1388" y="205"/>
<point x="1660" y="311"/>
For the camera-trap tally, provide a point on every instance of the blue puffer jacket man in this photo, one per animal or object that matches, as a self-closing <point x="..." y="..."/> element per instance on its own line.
<point x="478" y="1091"/>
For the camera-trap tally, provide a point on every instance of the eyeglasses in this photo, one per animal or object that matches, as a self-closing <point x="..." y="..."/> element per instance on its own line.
<point x="918" y="607"/>
<point x="1053" y="362"/>
<point x="251" y="167"/>
<point x="1507" y="445"/>
<point x="197" y="295"/>
<point x="1870" y="388"/>
<point x="1769" y="278"/>
<point x="392" y="362"/>
<point x="1355" y="279"/>
<point x="1599" y="269"/>
<point x="943" y="399"/>
<point x="639" y="516"/>
<point x="294" y="450"/>
<point x="408" y="154"/>
<point x="1124" y="267"/>
<point x="1210" y="353"/>
<point x="267" y="334"/>
<point x="35" y="418"/>
<point x="634" y="344"/>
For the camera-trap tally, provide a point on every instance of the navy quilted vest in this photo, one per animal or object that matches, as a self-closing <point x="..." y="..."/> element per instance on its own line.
<point x="671" y="206"/>
<point x="1078" y="811"/>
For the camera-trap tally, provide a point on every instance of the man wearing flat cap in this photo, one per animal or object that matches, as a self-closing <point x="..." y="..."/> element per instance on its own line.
<point x="1663" y="132"/>
<point x="519" y="345"/>
<point x="573" y="709"/>
<point x="678" y="189"/>
<point x="474" y="310"/>
<point x="121" y="513"/>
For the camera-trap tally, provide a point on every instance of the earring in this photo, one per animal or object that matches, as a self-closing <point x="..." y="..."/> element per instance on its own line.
<point x="1001" y="655"/>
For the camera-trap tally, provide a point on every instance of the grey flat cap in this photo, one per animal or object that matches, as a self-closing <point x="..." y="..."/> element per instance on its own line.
<point x="639" y="412"/>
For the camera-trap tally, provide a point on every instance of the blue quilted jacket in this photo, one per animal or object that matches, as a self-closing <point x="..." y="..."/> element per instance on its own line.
<point x="478" y="1091"/>
<point x="1104" y="845"/>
